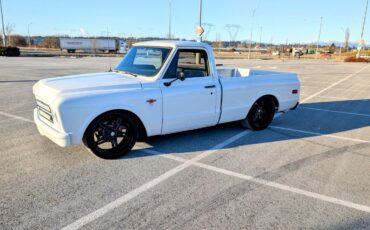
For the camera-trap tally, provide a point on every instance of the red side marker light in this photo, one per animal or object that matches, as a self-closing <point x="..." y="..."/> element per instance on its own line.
<point x="294" y="91"/>
<point x="151" y="101"/>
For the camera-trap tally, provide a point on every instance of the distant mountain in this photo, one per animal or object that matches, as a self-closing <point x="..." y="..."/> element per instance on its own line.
<point x="351" y="44"/>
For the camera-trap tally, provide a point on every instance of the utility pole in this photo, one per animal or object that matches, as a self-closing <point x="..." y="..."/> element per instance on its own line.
<point x="29" y="37"/>
<point x="341" y="46"/>
<point x="251" y="37"/>
<point x="362" y="31"/>
<point x="2" y="22"/>
<point x="318" y="39"/>
<point x="200" y="18"/>
<point x="170" y="20"/>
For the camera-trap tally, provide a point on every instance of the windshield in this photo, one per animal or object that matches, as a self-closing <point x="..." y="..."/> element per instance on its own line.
<point x="146" y="61"/>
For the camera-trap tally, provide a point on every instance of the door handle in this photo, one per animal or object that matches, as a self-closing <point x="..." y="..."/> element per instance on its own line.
<point x="210" y="86"/>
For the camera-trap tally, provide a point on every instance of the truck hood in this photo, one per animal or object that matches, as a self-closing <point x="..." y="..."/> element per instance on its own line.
<point x="50" y="88"/>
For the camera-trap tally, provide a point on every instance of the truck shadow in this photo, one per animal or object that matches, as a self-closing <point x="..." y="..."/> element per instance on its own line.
<point x="309" y="120"/>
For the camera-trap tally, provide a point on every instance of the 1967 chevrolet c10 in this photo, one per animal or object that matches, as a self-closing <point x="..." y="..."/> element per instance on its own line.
<point x="158" y="88"/>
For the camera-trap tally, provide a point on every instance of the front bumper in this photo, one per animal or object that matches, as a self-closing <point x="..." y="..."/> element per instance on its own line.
<point x="60" y="138"/>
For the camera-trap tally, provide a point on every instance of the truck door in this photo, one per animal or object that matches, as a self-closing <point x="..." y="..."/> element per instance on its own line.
<point x="191" y="103"/>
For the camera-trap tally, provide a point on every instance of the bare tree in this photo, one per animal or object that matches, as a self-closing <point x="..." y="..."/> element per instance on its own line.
<point x="9" y="28"/>
<point x="18" y="40"/>
<point x="51" y="42"/>
<point x="346" y="39"/>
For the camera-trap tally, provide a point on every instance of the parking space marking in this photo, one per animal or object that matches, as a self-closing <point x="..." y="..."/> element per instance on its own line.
<point x="320" y="134"/>
<point x="132" y="194"/>
<point x="335" y="83"/>
<point x="341" y="89"/>
<point x="287" y="188"/>
<point x="15" y="117"/>
<point x="335" y="111"/>
<point x="323" y="96"/>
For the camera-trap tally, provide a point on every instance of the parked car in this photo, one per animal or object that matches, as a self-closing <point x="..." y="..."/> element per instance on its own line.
<point x="158" y="88"/>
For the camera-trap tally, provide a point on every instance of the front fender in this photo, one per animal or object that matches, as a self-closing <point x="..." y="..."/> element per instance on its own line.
<point x="76" y="115"/>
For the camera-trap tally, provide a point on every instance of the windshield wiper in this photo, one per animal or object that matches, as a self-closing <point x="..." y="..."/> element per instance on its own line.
<point x="125" y="72"/>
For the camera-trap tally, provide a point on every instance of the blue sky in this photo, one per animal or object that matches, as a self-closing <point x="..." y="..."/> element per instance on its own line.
<point x="295" y="20"/>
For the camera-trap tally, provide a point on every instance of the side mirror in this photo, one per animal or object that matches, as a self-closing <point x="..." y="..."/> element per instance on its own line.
<point x="181" y="76"/>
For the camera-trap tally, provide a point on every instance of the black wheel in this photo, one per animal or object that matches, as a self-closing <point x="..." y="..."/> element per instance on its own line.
<point x="111" y="135"/>
<point x="260" y="115"/>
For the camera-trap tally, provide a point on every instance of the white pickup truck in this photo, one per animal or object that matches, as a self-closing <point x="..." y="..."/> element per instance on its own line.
<point x="158" y="88"/>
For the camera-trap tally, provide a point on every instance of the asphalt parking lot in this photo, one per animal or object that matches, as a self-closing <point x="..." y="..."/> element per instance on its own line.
<point x="310" y="169"/>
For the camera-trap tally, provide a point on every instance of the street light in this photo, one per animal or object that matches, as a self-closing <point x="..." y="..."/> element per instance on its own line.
<point x="2" y="22"/>
<point x="29" y="38"/>
<point x="260" y="35"/>
<point x="318" y="39"/>
<point x="200" y="20"/>
<point x="342" y="44"/>
<point x="170" y="20"/>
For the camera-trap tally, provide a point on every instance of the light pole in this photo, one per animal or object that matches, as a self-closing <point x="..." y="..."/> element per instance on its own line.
<point x="29" y="38"/>
<point x="260" y="35"/>
<point x="318" y="39"/>
<point x="200" y="19"/>
<point x="362" y="31"/>
<point x="2" y="22"/>
<point x="341" y="46"/>
<point x="170" y="20"/>
<point x="251" y="37"/>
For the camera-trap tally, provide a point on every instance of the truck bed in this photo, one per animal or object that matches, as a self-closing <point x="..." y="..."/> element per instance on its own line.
<point x="226" y="72"/>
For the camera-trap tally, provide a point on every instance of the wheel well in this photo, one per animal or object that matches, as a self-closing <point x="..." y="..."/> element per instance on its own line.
<point x="274" y="99"/>
<point x="142" y="130"/>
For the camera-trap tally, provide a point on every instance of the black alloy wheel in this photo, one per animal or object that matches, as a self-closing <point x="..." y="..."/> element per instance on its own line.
<point x="260" y="115"/>
<point x="111" y="135"/>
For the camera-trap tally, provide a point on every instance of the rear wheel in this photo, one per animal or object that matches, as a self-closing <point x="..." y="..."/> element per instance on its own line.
<point x="260" y="115"/>
<point x="111" y="135"/>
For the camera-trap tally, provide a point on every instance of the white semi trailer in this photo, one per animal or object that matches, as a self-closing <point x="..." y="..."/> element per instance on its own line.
<point x="92" y="45"/>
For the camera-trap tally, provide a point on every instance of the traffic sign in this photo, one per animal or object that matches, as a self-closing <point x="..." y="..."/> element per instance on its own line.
<point x="199" y="31"/>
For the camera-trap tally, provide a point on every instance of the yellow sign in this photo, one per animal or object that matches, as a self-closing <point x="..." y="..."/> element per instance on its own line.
<point x="199" y="31"/>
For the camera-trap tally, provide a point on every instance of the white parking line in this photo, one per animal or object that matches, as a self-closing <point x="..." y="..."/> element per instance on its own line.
<point x="287" y="188"/>
<point x="132" y="194"/>
<point x="323" y="96"/>
<point x="267" y="183"/>
<point x="334" y="84"/>
<point x="340" y="89"/>
<point x="15" y="117"/>
<point x="335" y="111"/>
<point x="320" y="134"/>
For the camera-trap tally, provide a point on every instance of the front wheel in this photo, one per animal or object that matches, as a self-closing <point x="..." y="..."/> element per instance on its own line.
<point x="111" y="135"/>
<point x="260" y="115"/>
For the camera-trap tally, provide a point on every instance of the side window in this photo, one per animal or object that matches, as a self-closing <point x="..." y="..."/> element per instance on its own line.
<point x="193" y="63"/>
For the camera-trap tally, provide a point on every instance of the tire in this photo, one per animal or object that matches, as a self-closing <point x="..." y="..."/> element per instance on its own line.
<point x="260" y="115"/>
<point x="111" y="135"/>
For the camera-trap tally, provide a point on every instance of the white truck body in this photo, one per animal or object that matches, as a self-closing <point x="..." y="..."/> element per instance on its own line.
<point x="67" y="105"/>
<point x="88" y="44"/>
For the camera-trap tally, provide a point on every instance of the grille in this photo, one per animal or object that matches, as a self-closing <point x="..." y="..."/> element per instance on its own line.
<point x="44" y="111"/>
